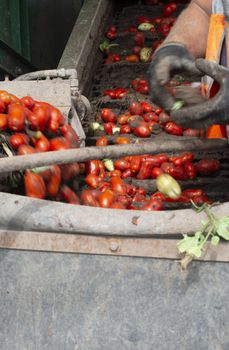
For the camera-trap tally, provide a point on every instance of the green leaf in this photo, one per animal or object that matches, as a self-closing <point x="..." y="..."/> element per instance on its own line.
<point x="215" y="240"/>
<point x="177" y="105"/>
<point x="196" y="251"/>
<point x="189" y="242"/>
<point x="222" y="227"/>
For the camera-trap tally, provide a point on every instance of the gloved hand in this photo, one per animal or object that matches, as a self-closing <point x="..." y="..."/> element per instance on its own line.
<point x="168" y="60"/>
<point x="214" y="110"/>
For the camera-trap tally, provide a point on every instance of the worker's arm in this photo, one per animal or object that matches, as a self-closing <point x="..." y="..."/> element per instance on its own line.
<point x="186" y="41"/>
<point x="191" y="27"/>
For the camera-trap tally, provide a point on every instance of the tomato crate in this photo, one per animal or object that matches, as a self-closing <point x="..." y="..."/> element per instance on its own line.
<point x="57" y="87"/>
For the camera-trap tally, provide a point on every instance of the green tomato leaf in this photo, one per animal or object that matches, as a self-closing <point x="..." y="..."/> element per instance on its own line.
<point x="215" y="240"/>
<point x="187" y="242"/>
<point x="196" y="251"/>
<point x="222" y="227"/>
<point x="203" y="222"/>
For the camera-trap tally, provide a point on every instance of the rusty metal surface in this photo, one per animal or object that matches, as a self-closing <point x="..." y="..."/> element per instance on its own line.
<point x="106" y="245"/>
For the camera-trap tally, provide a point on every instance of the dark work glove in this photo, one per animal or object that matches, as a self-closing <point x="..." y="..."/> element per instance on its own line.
<point x="169" y="60"/>
<point x="214" y="110"/>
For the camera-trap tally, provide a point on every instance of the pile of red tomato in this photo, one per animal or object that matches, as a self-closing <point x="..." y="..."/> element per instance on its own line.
<point x="140" y="119"/>
<point x="34" y="126"/>
<point x="160" y="26"/>
<point x="107" y="187"/>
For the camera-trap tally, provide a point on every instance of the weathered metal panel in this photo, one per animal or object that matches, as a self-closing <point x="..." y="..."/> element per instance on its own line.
<point x="84" y="302"/>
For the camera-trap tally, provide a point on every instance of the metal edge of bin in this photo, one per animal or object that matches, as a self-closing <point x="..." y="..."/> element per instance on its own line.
<point x="24" y="213"/>
<point x="83" y="42"/>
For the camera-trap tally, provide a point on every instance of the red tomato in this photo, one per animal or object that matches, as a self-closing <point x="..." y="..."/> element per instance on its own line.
<point x="173" y="129"/>
<point x="5" y="97"/>
<point x="187" y="157"/>
<point x="178" y="173"/>
<point x="54" y="118"/>
<point x="53" y="184"/>
<point x="122" y="140"/>
<point x="70" y="134"/>
<point x="16" y="140"/>
<point x="125" y="129"/>
<point x="16" y="117"/>
<point x="111" y="35"/>
<point x="115" y="172"/>
<point x="131" y="190"/>
<point x="139" y="39"/>
<point x="132" y="58"/>
<point x="153" y="205"/>
<point x="136" y="50"/>
<point x="177" y="161"/>
<point x="68" y="195"/>
<point x="167" y="10"/>
<point x="150" y="117"/>
<point x="166" y="167"/>
<point x="42" y="144"/>
<point x="135" y="164"/>
<point x="90" y="197"/>
<point x="156" y="20"/>
<point x="207" y="166"/>
<point x="190" y="170"/>
<point x="156" y="172"/>
<point x="38" y="120"/>
<point x="69" y="171"/>
<point x="145" y="171"/>
<point x="165" y="29"/>
<point x="59" y="143"/>
<point x="126" y="173"/>
<point x="142" y="19"/>
<point x="121" y="164"/>
<point x="123" y="118"/>
<point x="3" y="122"/>
<point x="108" y="115"/>
<point x="95" y="167"/>
<point x="108" y="128"/>
<point x="141" y="191"/>
<point x="34" y="185"/>
<point x="158" y="111"/>
<point x="191" y="193"/>
<point x="143" y="89"/>
<point x="110" y="93"/>
<point x="118" y="205"/>
<point x="28" y="102"/>
<point x="106" y="199"/>
<point x="25" y="149"/>
<point x="147" y="107"/>
<point x="118" y="186"/>
<point x="173" y="5"/>
<point x="135" y="108"/>
<point x="2" y="106"/>
<point x="102" y="141"/>
<point x="92" y="181"/>
<point x="142" y="130"/>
